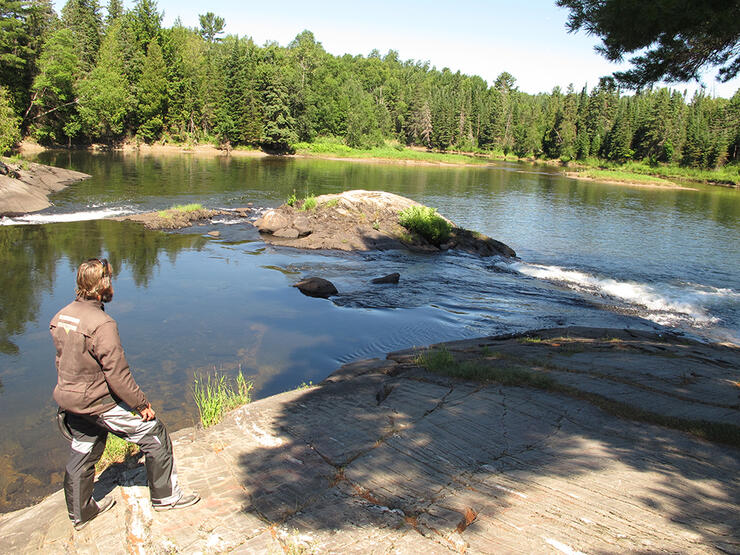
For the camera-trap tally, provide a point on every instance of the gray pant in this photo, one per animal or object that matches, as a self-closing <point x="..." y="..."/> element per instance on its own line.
<point x="89" y="433"/>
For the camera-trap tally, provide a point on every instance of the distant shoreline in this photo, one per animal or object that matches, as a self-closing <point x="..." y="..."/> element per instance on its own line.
<point x="208" y="150"/>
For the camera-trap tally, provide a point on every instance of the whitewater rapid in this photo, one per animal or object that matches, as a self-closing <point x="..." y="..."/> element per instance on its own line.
<point x="663" y="303"/>
<point x="94" y="213"/>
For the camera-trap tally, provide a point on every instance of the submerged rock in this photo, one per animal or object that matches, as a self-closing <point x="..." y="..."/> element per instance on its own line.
<point x="316" y="287"/>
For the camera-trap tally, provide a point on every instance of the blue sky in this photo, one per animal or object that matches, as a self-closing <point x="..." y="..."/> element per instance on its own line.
<point x="527" y="39"/>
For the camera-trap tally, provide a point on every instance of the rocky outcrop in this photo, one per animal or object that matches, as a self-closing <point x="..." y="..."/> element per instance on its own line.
<point x="362" y="220"/>
<point x="25" y="187"/>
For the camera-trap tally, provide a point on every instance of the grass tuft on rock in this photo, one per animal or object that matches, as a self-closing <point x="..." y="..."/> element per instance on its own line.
<point x="185" y="208"/>
<point x="440" y="361"/>
<point x="425" y="221"/>
<point x="309" y="203"/>
<point x="216" y="394"/>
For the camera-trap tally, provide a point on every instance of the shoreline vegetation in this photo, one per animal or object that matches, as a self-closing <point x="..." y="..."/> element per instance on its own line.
<point x="635" y="174"/>
<point x="631" y="174"/>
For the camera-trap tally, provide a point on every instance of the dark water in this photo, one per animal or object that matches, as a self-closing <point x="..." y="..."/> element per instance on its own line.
<point x="590" y="254"/>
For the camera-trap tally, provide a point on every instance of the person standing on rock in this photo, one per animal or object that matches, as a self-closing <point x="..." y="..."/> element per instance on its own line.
<point x="97" y="394"/>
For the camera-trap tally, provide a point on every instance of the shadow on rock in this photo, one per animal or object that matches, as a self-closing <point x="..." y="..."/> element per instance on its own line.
<point x="388" y="454"/>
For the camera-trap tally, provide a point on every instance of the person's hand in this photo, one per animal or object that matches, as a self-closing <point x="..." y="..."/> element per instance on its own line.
<point x="147" y="413"/>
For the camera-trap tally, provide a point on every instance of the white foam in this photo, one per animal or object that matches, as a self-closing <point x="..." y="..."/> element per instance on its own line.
<point x="665" y="305"/>
<point x="84" y="215"/>
<point x="224" y="221"/>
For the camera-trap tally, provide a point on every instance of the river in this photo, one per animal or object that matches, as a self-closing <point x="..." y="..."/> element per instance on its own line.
<point x="589" y="254"/>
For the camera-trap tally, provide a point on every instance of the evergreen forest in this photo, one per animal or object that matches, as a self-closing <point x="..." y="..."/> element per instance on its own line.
<point x="94" y="75"/>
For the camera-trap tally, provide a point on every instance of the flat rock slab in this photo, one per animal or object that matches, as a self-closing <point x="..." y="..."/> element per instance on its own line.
<point x="29" y="191"/>
<point x="384" y="457"/>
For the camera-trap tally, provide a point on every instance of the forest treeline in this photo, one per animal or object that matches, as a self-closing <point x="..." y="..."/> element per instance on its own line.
<point x="95" y="75"/>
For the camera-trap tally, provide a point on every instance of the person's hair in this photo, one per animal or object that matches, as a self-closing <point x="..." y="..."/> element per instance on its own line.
<point x="93" y="278"/>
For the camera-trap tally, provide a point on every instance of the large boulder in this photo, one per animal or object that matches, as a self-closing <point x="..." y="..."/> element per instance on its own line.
<point x="272" y="221"/>
<point x="316" y="287"/>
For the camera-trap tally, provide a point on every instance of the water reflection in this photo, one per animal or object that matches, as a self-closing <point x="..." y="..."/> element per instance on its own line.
<point x="30" y="256"/>
<point x="143" y="179"/>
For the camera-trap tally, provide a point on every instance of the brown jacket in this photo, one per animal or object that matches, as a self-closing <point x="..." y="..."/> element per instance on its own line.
<point x="92" y="372"/>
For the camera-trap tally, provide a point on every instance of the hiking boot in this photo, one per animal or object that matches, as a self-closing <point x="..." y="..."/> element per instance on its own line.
<point x="184" y="501"/>
<point x="103" y="506"/>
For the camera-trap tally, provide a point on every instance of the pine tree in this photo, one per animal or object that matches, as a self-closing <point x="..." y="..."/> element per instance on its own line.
<point x="54" y="90"/>
<point x="83" y="18"/>
<point x="424" y="126"/>
<point x="210" y="26"/>
<point x="104" y="96"/>
<point x="657" y="145"/>
<point x="23" y="27"/>
<point x="9" y="124"/>
<point x="152" y="94"/>
<point x="362" y="123"/>
<point x="115" y="10"/>
<point x="278" y="134"/>
<point x="146" y="22"/>
<point x="238" y="114"/>
<point x="733" y="121"/>
<point x="503" y="111"/>
<point x="619" y="139"/>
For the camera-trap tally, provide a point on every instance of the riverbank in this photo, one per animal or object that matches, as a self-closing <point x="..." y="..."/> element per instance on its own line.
<point x="633" y="175"/>
<point x="386" y="456"/>
<point x="27" y="186"/>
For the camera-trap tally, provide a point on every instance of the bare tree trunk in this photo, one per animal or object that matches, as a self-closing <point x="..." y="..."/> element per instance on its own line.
<point x="55" y="109"/>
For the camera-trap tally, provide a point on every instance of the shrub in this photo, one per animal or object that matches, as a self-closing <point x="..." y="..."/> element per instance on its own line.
<point x="426" y="222"/>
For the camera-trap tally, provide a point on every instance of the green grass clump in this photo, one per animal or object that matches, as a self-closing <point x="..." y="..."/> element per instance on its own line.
<point x="331" y="203"/>
<point x="187" y="207"/>
<point x="116" y="451"/>
<point x="17" y="159"/>
<point x="216" y="395"/>
<point x="426" y="222"/>
<point x="180" y="208"/>
<point x="309" y="203"/>
<point x="292" y="199"/>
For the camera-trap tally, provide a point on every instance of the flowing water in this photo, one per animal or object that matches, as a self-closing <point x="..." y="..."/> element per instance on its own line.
<point x="589" y="254"/>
